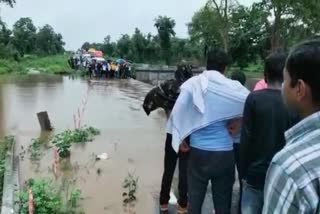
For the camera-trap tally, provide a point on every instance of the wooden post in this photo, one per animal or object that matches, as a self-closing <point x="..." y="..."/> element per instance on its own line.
<point x="44" y="121"/>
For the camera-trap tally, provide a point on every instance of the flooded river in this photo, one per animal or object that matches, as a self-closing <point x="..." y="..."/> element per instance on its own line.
<point x="133" y="141"/>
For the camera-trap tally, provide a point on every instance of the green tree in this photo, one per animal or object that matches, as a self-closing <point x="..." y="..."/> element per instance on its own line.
<point x="24" y="36"/>
<point x="302" y="22"/>
<point x="202" y="29"/>
<point x="153" y="49"/>
<point x="308" y="12"/>
<point x="222" y="9"/>
<point x="165" y="27"/>
<point x="248" y="33"/>
<point x="5" y="34"/>
<point x="7" y="50"/>
<point x="86" y="46"/>
<point x="277" y="9"/>
<point x="48" y="42"/>
<point x="124" y="46"/>
<point x="109" y="47"/>
<point x="8" y="2"/>
<point x="107" y="39"/>
<point x="210" y="26"/>
<point x="139" y="43"/>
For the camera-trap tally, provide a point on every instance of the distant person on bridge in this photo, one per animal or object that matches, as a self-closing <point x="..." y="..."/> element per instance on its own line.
<point x="164" y="96"/>
<point x="92" y="68"/>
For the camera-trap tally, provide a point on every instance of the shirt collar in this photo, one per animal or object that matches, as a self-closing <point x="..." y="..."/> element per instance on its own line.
<point x="307" y="125"/>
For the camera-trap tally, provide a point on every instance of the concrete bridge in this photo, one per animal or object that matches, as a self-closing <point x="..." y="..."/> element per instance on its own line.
<point x="156" y="75"/>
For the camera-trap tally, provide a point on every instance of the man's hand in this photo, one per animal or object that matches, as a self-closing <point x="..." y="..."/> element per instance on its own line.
<point x="234" y="126"/>
<point x="184" y="147"/>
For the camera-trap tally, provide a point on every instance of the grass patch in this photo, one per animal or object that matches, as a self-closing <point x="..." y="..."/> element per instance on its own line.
<point x="10" y="66"/>
<point x="56" y="64"/>
<point x="50" y="64"/>
<point x="35" y="149"/>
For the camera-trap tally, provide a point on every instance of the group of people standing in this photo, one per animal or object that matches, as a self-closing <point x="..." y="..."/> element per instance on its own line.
<point x="272" y="134"/>
<point x="109" y="70"/>
<point x="99" y="68"/>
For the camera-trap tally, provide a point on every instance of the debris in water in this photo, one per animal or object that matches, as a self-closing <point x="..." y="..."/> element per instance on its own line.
<point x="99" y="171"/>
<point x="103" y="156"/>
<point x="130" y="160"/>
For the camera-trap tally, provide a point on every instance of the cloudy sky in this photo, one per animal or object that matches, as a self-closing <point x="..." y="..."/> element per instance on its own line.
<point x="82" y="20"/>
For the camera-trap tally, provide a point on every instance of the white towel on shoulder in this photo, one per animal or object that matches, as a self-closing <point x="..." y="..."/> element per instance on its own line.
<point x="205" y="99"/>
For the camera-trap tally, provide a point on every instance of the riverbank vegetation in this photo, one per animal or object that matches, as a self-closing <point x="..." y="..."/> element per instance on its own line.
<point x="55" y="64"/>
<point x="50" y="197"/>
<point x="248" y="33"/>
<point x="27" y="48"/>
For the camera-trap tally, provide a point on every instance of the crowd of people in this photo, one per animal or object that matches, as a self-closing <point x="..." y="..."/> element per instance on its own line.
<point x="271" y="135"/>
<point x="98" y="67"/>
<point x="109" y="69"/>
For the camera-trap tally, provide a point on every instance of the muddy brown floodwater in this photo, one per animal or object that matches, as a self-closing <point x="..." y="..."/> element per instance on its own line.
<point x="133" y="141"/>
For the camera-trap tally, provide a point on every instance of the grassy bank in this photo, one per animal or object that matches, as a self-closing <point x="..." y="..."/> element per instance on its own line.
<point x="56" y="64"/>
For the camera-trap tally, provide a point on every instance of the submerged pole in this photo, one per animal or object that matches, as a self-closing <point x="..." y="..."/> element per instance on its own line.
<point x="44" y="121"/>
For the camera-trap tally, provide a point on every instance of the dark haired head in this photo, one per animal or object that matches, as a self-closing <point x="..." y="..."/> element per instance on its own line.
<point x="217" y="59"/>
<point x="239" y="76"/>
<point x="303" y="64"/>
<point x="273" y="68"/>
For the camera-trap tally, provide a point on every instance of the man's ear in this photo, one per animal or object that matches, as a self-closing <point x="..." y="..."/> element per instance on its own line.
<point x="302" y="89"/>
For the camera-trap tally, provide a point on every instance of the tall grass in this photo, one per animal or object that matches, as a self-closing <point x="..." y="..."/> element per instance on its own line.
<point x="50" y="64"/>
<point x="10" y="66"/>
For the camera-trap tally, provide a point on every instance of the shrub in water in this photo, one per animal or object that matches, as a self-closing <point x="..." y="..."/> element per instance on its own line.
<point x="48" y="197"/>
<point x="64" y="140"/>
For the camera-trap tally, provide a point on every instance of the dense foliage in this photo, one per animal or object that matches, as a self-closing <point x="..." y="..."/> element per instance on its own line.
<point x="26" y="39"/>
<point x="55" y="64"/>
<point x="248" y="33"/>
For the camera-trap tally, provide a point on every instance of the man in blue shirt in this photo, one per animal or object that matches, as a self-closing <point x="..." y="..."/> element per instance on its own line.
<point x="211" y="156"/>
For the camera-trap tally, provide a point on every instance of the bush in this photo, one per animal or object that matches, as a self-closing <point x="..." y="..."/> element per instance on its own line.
<point x="48" y="197"/>
<point x="64" y="140"/>
<point x="256" y="67"/>
<point x="10" y="66"/>
<point x="45" y="196"/>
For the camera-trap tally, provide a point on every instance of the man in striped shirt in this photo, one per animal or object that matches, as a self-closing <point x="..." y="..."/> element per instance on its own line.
<point x="293" y="180"/>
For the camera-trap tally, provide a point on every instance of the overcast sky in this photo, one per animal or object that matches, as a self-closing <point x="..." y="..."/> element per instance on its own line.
<point x="79" y="21"/>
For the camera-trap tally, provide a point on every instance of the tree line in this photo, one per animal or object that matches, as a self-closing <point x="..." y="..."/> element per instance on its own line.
<point x="164" y="47"/>
<point x="250" y="33"/>
<point x="26" y="38"/>
<point x="247" y="33"/>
